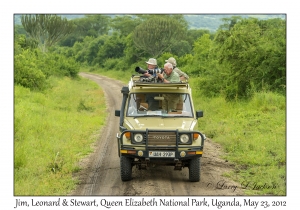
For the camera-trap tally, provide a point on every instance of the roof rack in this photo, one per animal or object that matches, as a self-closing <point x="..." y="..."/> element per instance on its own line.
<point x="136" y="82"/>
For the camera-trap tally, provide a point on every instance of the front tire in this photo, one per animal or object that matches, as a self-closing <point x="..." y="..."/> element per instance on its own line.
<point x="126" y="168"/>
<point x="194" y="169"/>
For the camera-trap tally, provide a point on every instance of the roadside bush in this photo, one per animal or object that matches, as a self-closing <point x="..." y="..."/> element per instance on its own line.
<point x="121" y="64"/>
<point x="53" y="64"/>
<point x="209" y="91"/>
<point x="115" y="64"/>
<point x="68" y="67"/>
<point x="109" y="63"/>
<point x="26" y="71"/>
<point x="32" y="68"/>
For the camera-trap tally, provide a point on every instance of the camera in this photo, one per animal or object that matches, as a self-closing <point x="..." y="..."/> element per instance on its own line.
<point x="140" y="70"/>
<point x="148" y="79"/>
<point x="156" y="71"/>
<point x="152" y="72"/>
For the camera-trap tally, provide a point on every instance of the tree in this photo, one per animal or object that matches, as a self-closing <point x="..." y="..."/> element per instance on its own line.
<point x="194" y="34"/>
<point x="92" y="25"/>
<point x="125" y="24"/>
<point x="157" y="34"/>
<point x="132" y="54"/>
<point x="180" y="48"/>
<point x="201" y="51"/>
<point x="230" y="22"/>
<point x="18" y="29"/>
<point x="47" y="30"/>
<point x="112" y="48"/>
<point x="89" y="25"/>
<point x="272" y="51"/>
<point x="237" y="54"/>
<point x="251" y="56"/>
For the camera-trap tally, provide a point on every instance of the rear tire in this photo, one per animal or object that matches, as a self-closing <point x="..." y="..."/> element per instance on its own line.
<point x="194" y="170"/>
<point x="126" y="168"/>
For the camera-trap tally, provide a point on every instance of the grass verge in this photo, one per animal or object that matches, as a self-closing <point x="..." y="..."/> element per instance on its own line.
<point x="253" y="136"/>
<point x="53" y="130"/>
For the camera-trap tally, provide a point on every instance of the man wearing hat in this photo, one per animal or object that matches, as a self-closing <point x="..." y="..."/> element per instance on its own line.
<point x="151" y="65"/>
<point x="182" y="75"/>
<point x="169" y="76"/>
<point x="153" y="104"/>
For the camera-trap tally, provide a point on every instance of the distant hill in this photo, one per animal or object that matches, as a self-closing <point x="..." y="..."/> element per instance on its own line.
<point x="196" y="21"/>
<point x="213" y="21"/>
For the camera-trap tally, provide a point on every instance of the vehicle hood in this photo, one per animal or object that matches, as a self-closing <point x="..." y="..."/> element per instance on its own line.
<point x="158" y="123"/>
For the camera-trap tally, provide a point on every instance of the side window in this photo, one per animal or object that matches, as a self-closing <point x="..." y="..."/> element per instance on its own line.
<point x="132" y="106"/>
<point x="186" y="105"/>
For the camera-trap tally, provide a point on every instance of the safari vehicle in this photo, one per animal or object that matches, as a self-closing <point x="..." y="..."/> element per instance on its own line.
<point x="150" y="134"/>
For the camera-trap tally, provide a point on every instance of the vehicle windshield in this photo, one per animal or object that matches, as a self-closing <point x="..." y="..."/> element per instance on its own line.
<point x="154" y="104"/>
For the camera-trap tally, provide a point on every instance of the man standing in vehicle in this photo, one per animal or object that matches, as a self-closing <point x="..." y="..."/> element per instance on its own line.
<point x="152" y="104"/>
<point x="183" y="76"/>
<point x="169" y="76"/>
<point x="151" y="65"/>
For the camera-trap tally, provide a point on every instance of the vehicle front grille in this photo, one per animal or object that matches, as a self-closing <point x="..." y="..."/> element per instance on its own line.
<point x="162" y="138"/>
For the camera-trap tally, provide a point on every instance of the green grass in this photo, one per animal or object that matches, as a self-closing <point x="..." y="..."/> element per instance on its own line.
<point x="53" y="130"/>
<point x="252" y="134"/>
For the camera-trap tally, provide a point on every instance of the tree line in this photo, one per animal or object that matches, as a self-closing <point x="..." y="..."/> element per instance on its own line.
<point x="243" y="56"/>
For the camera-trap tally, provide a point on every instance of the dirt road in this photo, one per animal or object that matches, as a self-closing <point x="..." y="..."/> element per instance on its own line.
<point x="101" y="173"/>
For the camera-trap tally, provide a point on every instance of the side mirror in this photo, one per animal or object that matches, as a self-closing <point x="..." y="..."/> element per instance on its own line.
<point x="199" y="114"/>
<point x="117" y="113"/>
<point x="125" y="90"/>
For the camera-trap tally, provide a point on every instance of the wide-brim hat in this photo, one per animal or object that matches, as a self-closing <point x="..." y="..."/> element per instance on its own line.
<point x="172" y="61"/>
<point x="152" y="61"/>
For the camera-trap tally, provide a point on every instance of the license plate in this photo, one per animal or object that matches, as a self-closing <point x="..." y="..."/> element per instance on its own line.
<point x="161" y="154"/>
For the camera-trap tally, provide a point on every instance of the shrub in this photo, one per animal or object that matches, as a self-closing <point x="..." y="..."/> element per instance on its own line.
<point x="110" y="63"/>
<point x="68" y="67"/>
<point x="58" y="65"/>
<point x="26" y="71"/>
<point x="121" y="64"/>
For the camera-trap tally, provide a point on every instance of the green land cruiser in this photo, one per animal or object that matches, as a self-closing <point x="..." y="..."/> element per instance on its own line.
<point x="153" y="133"/>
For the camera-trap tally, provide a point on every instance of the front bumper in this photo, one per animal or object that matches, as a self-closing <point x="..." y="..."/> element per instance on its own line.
<point x="172" y="151"/>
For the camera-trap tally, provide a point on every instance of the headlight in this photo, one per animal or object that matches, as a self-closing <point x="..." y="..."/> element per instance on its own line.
<point x="184" y="138"/>
<point x="138" y="137"/>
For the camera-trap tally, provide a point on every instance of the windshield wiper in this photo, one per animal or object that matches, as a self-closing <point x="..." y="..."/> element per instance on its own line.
<point x="152" y="115"/>
<point x="175" y="116"/>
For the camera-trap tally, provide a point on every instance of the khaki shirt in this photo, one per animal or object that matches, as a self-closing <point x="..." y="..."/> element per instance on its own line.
<point x="180" y="73"/>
